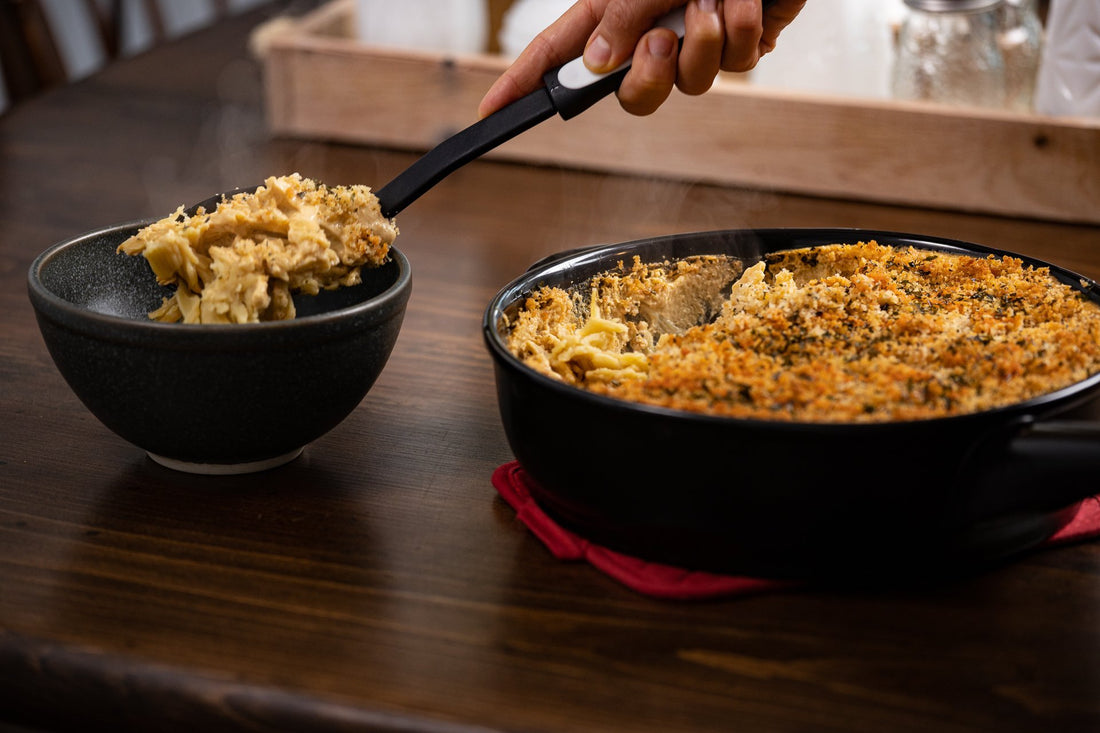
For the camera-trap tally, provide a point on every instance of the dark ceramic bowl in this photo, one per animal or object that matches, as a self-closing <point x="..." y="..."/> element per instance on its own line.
<point x="210" y="398"/>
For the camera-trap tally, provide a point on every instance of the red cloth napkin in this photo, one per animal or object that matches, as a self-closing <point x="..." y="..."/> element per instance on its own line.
<point x="666" y="581"/>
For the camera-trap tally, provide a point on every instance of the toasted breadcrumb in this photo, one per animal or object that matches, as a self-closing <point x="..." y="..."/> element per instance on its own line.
<point x="846" y="332"/>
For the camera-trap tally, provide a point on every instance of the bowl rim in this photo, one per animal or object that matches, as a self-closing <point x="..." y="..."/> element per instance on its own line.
<point x="49" y="304"/>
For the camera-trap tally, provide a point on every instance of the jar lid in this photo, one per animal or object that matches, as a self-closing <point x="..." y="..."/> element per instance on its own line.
<point x="953" y="6"/>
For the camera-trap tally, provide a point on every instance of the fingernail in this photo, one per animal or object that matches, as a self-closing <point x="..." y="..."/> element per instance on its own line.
<point x="598" y="53"/>
<point x="708" y="6"/>
<point x="660" y="45"/>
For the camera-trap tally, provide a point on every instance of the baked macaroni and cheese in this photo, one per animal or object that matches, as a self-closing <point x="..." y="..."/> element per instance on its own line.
<point x="846" y="332"/>
<point x="241" y="262"/>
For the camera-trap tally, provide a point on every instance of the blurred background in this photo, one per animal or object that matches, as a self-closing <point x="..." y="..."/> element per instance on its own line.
<point x="984" y="52"/>
<point x="49" y="42"/>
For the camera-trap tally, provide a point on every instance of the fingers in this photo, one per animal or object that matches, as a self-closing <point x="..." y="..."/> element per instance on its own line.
<point x="652" y="73"/>
<point x="750" y="33"/>
<point x="620" y="29"/>
<point x="659" y="63"/>
<point x="608" y="32"/>
<point x="507" y="88"/>
<point x="728" y="35"/>
<point x="776" y="18"/>
<point x="744" y="28"/>
<point x="625" y="32"/>
<point x="560" y="42"/>
<point x="701" y="55"/>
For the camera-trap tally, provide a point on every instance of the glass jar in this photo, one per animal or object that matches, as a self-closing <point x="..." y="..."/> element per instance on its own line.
<point x="948" y="52"/>
<point x="1021" y="39"/>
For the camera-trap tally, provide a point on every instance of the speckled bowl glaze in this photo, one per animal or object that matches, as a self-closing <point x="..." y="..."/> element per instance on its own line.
<point x="210" y="398"/>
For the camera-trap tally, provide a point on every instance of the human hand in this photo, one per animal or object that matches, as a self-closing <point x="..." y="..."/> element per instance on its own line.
<point x="721" y="35"/>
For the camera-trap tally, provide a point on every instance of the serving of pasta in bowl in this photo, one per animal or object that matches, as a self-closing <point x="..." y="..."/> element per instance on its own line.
<point x="681" y="397"/>
<point x="225" y="341"/>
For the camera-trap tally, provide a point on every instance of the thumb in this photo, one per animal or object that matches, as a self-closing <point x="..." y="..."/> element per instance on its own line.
<point x="621" y="26"/>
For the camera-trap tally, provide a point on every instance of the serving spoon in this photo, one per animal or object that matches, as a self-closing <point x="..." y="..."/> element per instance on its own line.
<point x="568" y="90"/>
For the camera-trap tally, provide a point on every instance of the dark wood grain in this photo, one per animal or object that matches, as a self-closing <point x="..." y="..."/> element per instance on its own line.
<point x="377" y="583"/>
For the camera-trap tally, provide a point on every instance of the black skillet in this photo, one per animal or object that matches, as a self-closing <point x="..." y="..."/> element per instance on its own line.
<point x="783" y="499"/>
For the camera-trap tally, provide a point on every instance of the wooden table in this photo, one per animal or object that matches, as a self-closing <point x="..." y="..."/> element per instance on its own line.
<point x="378" y="582"/>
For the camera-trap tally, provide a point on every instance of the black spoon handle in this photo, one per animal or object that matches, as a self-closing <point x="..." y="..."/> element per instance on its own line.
<point x="570" y="89"/>
<point x="462" y="147"/>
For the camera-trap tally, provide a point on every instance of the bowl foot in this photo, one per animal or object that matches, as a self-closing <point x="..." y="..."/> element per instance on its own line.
<point x="226" y="469"/>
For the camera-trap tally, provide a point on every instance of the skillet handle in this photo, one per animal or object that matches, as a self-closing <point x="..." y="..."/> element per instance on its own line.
<point x="1048" y="465"/>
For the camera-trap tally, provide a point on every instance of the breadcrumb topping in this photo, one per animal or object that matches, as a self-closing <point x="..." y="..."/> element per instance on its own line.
<point x="846" y="332"/>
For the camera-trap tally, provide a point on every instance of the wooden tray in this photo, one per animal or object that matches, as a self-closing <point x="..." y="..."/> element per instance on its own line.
<point x="322" y="83"/>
